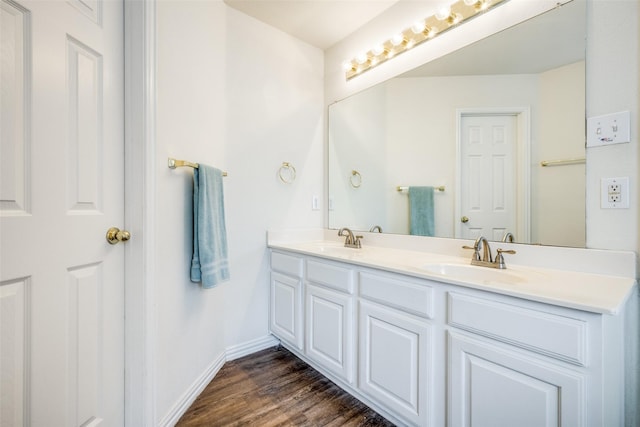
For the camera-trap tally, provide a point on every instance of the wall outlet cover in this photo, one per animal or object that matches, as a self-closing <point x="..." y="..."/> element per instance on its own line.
<point x="614" y="193"/>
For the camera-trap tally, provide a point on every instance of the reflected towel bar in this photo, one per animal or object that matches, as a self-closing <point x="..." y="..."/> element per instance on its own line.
<point x="576" y="161"/>
<point x="173" y="163"/>
<point x="403" y="189"/>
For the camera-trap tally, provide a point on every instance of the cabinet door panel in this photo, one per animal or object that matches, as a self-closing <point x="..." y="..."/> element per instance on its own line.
<point x="490" y="386"/>
<point x="395" y="362"/>
<point x="329" y="337"/>
<point x="286" y="309"/>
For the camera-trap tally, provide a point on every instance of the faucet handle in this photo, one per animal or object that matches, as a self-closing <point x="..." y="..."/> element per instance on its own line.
<point x="358" y="242"/>
<point x="476" y="253"/>
<point x="500" y="259"/>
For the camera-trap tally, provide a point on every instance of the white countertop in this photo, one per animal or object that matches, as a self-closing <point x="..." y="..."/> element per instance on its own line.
<point x="589" y="291"/>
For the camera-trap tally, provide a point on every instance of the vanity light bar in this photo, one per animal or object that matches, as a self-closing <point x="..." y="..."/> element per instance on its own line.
<point x="419" y="32"/>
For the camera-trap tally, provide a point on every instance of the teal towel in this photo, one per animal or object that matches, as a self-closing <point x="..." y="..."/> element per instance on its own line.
<point x="210" y="263"/>
<point x="421" y="211"/>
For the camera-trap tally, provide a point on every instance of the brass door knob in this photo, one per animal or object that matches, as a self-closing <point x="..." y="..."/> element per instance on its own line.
<point x="464" y="219"/>
<point x="115" y="235"/>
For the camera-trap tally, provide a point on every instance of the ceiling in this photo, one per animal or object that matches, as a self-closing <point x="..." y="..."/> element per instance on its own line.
<point x="321" y="23"/>
<point x="533" y="46"/>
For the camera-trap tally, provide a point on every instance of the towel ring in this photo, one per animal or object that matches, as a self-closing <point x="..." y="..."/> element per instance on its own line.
<point x="287" y="173"/>
<point x="355" y="179"/>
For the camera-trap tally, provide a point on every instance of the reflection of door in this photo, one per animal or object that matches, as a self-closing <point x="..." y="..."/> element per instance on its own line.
<point x="488" y="176"/>
<point x="61" y="188"/>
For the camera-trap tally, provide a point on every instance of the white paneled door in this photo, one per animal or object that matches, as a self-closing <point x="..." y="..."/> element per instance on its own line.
<point x="61" y="188"/>
<point x="488" y="176"/>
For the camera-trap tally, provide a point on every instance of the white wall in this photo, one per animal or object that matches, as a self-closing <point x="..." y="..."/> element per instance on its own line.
<point x="190" y="115"/>
<point x="274" y="114"/>
<point x="613" y="55"/>
<point x="243" y="103"/>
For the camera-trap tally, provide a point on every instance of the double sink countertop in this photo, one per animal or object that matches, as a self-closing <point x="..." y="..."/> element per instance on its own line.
<point x="585" y="279"/>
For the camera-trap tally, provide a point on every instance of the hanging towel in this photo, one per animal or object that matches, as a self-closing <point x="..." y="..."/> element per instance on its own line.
<point x="421" y="211"/>
<point x="209" y="264"/>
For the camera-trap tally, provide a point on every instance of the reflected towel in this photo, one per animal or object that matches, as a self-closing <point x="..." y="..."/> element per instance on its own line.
<point x="209" y="264"/>
<point x="421" y="211"/>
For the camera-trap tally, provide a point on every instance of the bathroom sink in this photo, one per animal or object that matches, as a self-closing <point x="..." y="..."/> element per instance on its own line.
<point x="475" y="273"/>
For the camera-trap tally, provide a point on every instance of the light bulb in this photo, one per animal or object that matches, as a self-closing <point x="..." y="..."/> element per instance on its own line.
<point x="443" y="13"/>
<point x="348" y="65"/>
<point x="397" y="39"/>
<point x="418" y="27"/>
<point x="362" y="58"/>
<point x="378" y="50"/>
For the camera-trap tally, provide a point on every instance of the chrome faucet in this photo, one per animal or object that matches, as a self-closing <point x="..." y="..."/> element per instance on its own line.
<point x="350" y="240"/>
<point x="487" y="260"/>
<point x="375" y="228"/>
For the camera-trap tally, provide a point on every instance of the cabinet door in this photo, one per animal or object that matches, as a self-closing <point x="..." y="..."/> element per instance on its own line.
<point x="329" y="337"/>
<point x="492" y="386"/>
<point x="396" y="362"/>
<point x="285" y="314"/>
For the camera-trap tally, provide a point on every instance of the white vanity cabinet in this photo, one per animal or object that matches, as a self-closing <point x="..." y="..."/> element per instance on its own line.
<point x="395" y="344"/>
<point x="285" y="310"/>
<point x="329" y="317"/>
<point x="520" y="364"/>
<point x="430" y="353"/>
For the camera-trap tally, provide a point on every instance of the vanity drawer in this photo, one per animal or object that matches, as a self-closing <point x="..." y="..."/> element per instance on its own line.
<point x="330" y="275"/>
<point x="554" y="335"/>
<point x="415" y="298"/>
<point x="286" y="264"/>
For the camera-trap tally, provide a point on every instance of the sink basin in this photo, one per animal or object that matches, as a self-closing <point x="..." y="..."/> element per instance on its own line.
<point x="475" y="273"/>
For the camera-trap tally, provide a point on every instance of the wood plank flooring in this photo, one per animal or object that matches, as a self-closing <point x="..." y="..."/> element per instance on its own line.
<point x="275" y="388"/>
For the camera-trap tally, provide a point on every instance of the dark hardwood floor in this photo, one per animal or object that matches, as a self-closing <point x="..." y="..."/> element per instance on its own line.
<point x="275" y="388"/>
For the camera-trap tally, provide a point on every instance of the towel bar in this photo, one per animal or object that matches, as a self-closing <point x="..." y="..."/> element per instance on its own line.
<point x="174" y="163"/>
<point x="404" y="189"/>
<point x="562" y="162"/>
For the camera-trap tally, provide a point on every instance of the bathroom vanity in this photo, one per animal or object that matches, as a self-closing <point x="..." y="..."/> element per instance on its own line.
<point x="428" y="340"/>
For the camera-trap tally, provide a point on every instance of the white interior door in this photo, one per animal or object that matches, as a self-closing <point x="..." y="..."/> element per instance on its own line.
<point x="488" y="176"/>
<point x="61" y="188"/>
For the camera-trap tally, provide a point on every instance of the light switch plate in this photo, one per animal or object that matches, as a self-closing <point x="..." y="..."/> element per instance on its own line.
<point x="609" y="129"/>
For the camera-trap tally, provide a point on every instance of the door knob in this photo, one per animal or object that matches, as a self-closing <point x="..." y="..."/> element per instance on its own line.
<point x="464" y="219"/>
<point x="115" y="235"/>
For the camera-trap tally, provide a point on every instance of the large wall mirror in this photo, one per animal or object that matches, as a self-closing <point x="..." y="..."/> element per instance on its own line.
<point x="454" y="148"/>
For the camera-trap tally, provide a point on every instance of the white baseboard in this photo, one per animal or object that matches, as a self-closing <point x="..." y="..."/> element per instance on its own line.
<point x="249" y="347"/>
<point x="192" y="393"/>
<point x="231" y="353"/>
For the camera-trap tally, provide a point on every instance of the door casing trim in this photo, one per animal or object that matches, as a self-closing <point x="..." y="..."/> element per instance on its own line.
<point x="140" y="182"/>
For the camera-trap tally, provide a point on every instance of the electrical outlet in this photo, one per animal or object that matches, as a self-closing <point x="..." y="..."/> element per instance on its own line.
<point x="615" y="193"/>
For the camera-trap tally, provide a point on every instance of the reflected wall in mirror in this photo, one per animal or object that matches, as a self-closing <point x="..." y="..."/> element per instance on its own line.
<point x="478" y="122"/>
